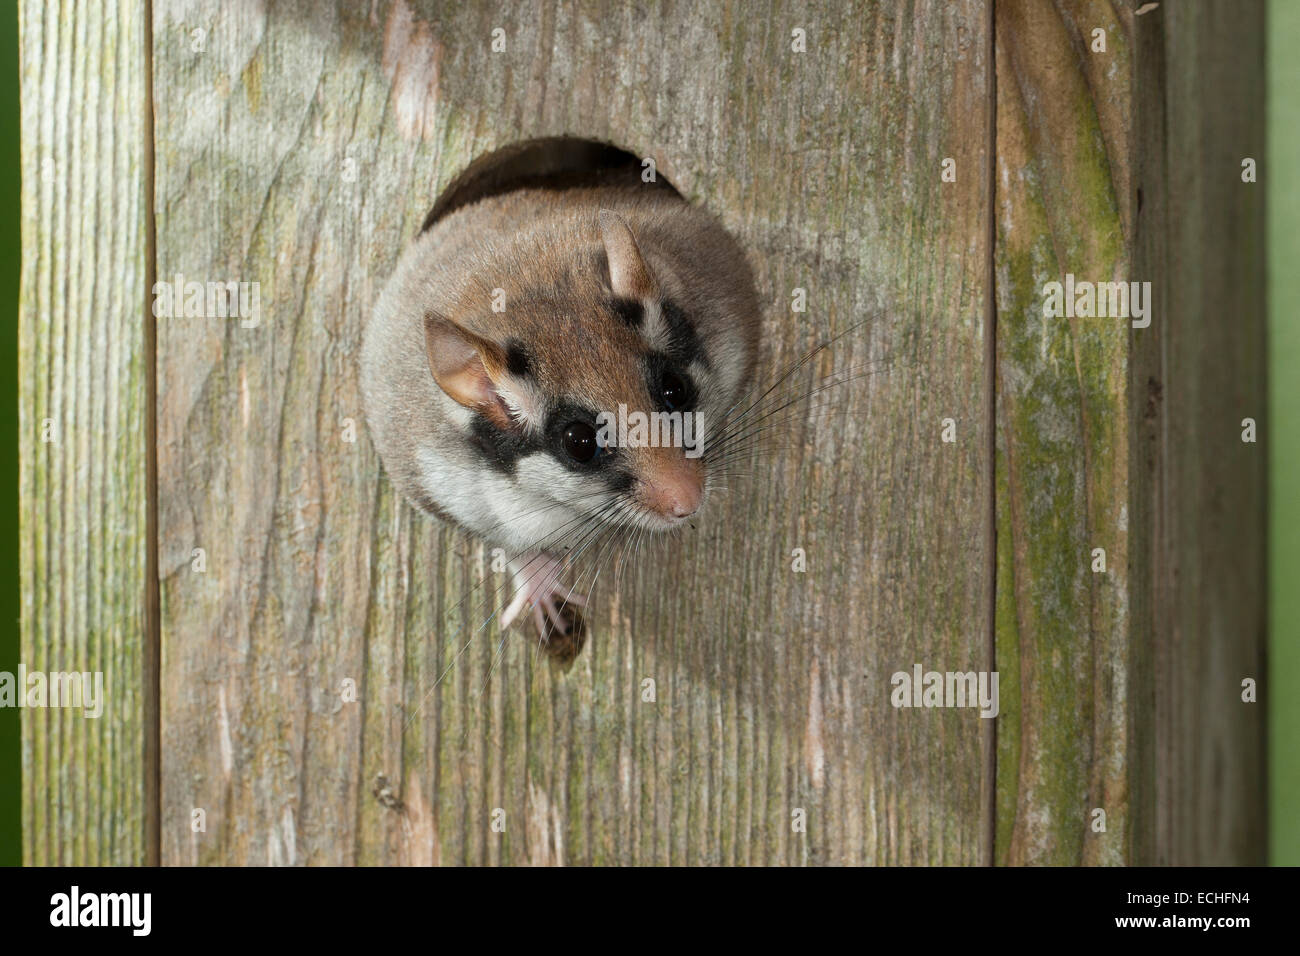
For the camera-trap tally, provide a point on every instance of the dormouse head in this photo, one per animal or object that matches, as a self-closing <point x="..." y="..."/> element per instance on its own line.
<point x="597" y="390"/>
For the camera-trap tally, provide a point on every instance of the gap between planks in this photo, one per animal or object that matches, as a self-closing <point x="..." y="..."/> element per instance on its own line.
<point x="989" y="732"/>
<point x="152" y="663"/>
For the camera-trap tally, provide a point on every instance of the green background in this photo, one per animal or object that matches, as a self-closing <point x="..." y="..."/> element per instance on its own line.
<point x="1283" y="444"/>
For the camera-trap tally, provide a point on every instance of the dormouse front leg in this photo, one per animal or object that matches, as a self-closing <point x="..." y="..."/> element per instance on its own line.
<point x="538" y="586"/>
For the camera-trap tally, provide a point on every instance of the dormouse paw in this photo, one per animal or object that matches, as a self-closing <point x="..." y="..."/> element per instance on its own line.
<point x="556" y="608"/>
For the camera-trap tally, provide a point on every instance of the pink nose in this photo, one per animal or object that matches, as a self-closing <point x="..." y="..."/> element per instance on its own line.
<point x="675" y="494"/>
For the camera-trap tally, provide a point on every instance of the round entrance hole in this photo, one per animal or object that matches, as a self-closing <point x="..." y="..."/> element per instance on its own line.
<point x="555" y="162"/>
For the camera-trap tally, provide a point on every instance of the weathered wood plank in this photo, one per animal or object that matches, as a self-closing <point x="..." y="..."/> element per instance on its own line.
<point x="1200" y="492"/>
<point x="1063" y="632"/>
<point x="1283" y="346"/>
<point x="301" y="148"/>
<point x="82" y="376"/>
<point x="1122" y="688"/>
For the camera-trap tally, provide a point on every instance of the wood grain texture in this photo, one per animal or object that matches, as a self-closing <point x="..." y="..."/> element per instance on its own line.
<point x="1129" y="696"/>
<point x="300" y="148"/>
<point x="83" y="540"/>
<point x="1199" y="491"/>
<point x="1063" y="635"/>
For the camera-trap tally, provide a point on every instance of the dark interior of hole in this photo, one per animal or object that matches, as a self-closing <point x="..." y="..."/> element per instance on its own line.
<point x="557" y="162"/>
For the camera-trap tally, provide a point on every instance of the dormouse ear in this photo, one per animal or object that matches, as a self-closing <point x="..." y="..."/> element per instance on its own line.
<point x="463" y="364"/>
<point x="628" y="275"/>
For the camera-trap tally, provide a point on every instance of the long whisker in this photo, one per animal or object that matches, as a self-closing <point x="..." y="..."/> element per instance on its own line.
<point x="713" y="450"/>
<point x="489" y="619"/>
<point x="759" y="412"/>
<point x="616" y="531"/>
<point x="601" y="524"/>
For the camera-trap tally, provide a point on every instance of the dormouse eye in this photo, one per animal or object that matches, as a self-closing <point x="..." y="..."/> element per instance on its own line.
<point x="673" y="392"/>
<point x="579" y="442"/>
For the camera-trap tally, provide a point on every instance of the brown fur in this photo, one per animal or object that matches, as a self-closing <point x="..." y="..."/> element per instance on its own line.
<point x="546" y="250"/>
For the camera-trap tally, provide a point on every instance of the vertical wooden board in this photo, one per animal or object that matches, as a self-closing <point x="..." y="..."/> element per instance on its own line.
<point x="82" y="414"/>
<point x="1063" y="636"/>
<point x="1199" y="490"/>
<point x="301" y="148"/>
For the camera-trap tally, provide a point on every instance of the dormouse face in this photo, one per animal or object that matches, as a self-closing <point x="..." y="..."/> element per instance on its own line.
<point x="599" y="395"/>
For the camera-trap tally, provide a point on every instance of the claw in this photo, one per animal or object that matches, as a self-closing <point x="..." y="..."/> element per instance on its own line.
<point x="537" y="583"/>
<point x="553" y="614"/>
<point x="573" y="597"/>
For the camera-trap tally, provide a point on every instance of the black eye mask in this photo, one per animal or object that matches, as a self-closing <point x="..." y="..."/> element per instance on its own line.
<point x="501" y="450"/>
<point x="683" y="344"/>
<point x="669" y="384"/>
<point x="571" y="431"/>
